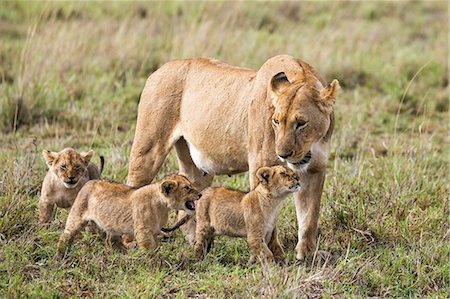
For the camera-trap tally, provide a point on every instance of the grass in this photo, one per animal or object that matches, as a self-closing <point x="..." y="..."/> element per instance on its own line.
<point x="71" y="75"/>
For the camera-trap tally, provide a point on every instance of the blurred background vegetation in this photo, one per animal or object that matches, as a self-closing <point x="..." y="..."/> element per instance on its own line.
<point x="71" y="74"/>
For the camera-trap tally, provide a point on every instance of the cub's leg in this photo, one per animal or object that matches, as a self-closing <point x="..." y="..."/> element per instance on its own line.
<point x="146" y="240"/>
<point x="116" y="242"/>
<point x="259" y="247"/>
<point x="198" y="178"/>
<point x="76" y="220"/>
<point x="203" y="241"/>
<point x="46" y="208"/>
<point x="75" y="223"/>
<point x="256" y="237"/>
<point x="274" y="245"/>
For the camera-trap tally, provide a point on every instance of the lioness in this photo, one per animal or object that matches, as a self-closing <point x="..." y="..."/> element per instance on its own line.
<point x="224" y="119"/>
<point x="68" y="171"/>
<point x="223" y="211"/>
<point x="122" y="210"/>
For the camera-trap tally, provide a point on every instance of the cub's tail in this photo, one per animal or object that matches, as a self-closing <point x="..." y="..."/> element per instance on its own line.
<point x="102" y="163"/>
<point x="177" y="225"/>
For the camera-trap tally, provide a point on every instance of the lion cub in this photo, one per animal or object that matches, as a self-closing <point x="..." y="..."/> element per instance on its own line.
<point x="223" y="211"/>
<point x="122" y="210"/>
<point x="68" y="171"/>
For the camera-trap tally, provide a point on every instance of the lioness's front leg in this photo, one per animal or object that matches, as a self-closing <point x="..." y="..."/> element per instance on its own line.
<point x="307" y="206"/>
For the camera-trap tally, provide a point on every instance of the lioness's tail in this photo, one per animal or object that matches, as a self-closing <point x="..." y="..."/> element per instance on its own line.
<point x="177" y="225"/>
<point x="102" y="163"/>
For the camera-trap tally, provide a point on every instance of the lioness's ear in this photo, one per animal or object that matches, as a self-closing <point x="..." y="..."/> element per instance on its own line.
<point x="279" y="83"/>
<point x="329" y="93"/>
<point x="264" y="174"/>
<point x="49" y="157"/>
<point x="168" y="186"/>
<point x="86" y="156"/>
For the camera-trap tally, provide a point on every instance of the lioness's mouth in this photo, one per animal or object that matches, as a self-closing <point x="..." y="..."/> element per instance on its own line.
<point x="305" y="159"/>
<point x="190" y="205"/>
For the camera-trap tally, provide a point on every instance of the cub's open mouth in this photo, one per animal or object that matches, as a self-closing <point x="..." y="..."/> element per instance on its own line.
<point x="190" y="205"/>
<point x="305" y="159"/>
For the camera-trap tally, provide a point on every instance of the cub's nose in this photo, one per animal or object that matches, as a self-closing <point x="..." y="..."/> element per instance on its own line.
<point x="285" y="155"/>
<point x="71" y="178"/>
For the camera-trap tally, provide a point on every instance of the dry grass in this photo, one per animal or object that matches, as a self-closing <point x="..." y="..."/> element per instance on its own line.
<point x="71" y="75"/>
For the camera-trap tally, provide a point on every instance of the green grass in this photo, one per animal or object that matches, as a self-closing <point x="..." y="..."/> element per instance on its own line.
<point x="71" y="75"/>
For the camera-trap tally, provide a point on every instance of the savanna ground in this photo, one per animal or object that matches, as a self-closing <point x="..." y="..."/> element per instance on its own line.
<point x="71" y="75"/>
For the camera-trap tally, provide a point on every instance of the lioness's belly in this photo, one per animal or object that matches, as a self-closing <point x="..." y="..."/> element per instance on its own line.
<point x="220" y="160"/>
<point x="214" y="121"/>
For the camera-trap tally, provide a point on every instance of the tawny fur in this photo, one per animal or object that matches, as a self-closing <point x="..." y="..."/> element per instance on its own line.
<point x="253" y="215"/>
<point x="68" y="171"/>
<point x="122" y="210"/>
<point x="223" y="119"/>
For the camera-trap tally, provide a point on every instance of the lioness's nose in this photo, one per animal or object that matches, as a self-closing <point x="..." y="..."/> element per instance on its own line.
<point x="285" y="155"/>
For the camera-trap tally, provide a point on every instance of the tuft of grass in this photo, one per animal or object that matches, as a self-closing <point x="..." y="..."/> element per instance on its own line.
<point x="71" y="75"/>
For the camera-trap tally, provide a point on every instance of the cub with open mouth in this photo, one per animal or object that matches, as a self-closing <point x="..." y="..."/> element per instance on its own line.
<point x="253" y="215"/>
<point x="120" y="210"/>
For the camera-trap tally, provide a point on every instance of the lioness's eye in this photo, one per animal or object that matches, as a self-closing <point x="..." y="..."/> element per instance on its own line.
<point x="275" y="121"/>
<point x="187" y="188"/>
<point x="300" y="124"/>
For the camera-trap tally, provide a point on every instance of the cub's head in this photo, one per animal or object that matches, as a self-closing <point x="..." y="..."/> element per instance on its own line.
<point x="278" y="180"/>
<point x="301" y="115"/>
<point x="68" y="165"/>
<point x="179" y="193"/>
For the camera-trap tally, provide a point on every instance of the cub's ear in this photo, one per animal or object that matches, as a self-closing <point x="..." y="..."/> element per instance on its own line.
<point x="264" y="174"/>
<point x="86" y="156"/>
<point x="279" y="83"/>
<point x="329" y="93"/>
<point x="168" y="187"/>
<point x="50" y="157"/>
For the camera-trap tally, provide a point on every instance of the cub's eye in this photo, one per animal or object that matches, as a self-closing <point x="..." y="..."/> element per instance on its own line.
<point x="275" y="121"/>
<point x="78" y="167"/>
<point x="300" y="124"/>
<point x="63" y="167"/>
<point x="283" y="174"/>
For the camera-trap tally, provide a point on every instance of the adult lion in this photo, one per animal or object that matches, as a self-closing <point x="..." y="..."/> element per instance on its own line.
<point x="224" y="119"/>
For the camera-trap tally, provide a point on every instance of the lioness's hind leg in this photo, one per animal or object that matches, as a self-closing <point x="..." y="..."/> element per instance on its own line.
<point x="198" y="178"/>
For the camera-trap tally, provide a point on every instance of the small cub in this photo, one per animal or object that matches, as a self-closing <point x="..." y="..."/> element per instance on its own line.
<point x="68" y="171"/>
<point x="223" y="211"/>
<point x="122" y="210"/>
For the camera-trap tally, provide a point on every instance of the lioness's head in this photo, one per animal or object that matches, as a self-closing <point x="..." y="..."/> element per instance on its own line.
<point x="179" y="193"/>
<point x="278" y="180"/>
<point x="68" y="165"/>
<point x="301" y="116"/>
